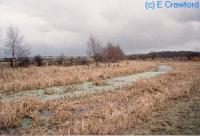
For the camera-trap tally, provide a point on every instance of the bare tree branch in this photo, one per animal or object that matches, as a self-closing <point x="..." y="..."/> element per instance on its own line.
<point x="95" y="50"/>
<point x="14" y="45"/>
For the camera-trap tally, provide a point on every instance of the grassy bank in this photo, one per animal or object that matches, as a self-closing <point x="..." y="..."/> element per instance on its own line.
<point x="42" y="77"/>
<point x="106" y="113"/>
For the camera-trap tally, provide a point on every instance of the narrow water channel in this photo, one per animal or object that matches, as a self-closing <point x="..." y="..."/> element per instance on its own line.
<point x="87" y="88"/>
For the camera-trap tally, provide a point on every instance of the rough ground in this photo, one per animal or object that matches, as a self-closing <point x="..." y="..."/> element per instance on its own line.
<point x="181" y="117"/>
<point x="167" y="104"/>
<point x="43" y="77"/>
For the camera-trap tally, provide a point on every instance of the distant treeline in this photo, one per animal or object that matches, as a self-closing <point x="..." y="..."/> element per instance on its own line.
<point x="175" y="55"/>
<point x="48" y="61"/>
<point x="70" y="61"/>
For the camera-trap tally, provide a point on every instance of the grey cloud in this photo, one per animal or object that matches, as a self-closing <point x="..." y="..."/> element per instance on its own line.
<point x="64" y="26"/>
<point x="188" y="15"/>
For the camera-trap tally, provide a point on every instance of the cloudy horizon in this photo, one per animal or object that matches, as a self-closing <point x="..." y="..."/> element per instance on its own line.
<point x="53" y="27"/>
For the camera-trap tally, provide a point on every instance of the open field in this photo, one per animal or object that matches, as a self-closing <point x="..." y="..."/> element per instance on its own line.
<point x="130" y="110"/>
<point x="175" y="118"/>
<point x="37" y="77"/>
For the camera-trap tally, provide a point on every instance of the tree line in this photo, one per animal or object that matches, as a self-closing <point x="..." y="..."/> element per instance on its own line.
<point x="18" y="53"/>
<point x="110" y="54"/>
<point x="175" y="55"/>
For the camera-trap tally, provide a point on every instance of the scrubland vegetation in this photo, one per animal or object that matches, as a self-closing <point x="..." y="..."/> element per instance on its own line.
<point x="119" y="112"/>
<point x="41" y="77"/>
<point x="126" y="110"/>
<point x="105" y="92"/>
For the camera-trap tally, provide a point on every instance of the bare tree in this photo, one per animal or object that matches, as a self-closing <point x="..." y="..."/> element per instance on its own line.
<point x="107" y="54"/>
<point x="38" y="60"/>
<point x="14" y="44"/>
<point x="95" y="50"/>
<point x="60" y="60"/>
<point x="112" y="53"/>
<point x="120" y="53"/>
<point x="1" y="54"/>
<point x="2" y="50"/>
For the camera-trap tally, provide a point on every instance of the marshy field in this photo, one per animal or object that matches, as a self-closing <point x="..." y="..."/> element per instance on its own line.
<point x="136" y="97"/>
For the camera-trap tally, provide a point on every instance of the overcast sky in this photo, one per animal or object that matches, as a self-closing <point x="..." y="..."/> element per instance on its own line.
<point x="52" y="27"/>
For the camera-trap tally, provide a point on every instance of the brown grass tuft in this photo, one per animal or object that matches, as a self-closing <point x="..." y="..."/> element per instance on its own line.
<point x="13" y="111"/>
<point x="110" y="112"/>
<point x="42" y="77"/>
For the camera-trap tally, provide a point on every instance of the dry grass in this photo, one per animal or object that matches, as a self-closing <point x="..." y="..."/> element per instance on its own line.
<point x="110" y="112"/>
<point x="42" y="77"/>
<point x="180" y="117"/>
<point x="12" y="112"/>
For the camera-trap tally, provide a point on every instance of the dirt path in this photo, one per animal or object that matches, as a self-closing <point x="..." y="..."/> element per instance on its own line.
<point x="180" y="117"/>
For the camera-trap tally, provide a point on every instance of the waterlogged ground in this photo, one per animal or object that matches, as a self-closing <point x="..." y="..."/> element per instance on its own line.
<point x="88" y="87"/>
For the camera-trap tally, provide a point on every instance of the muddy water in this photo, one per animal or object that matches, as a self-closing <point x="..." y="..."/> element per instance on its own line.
<point x="88" y="87"/>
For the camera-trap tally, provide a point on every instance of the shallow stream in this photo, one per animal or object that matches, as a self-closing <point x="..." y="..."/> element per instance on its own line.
<point x="87" y="88"/>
